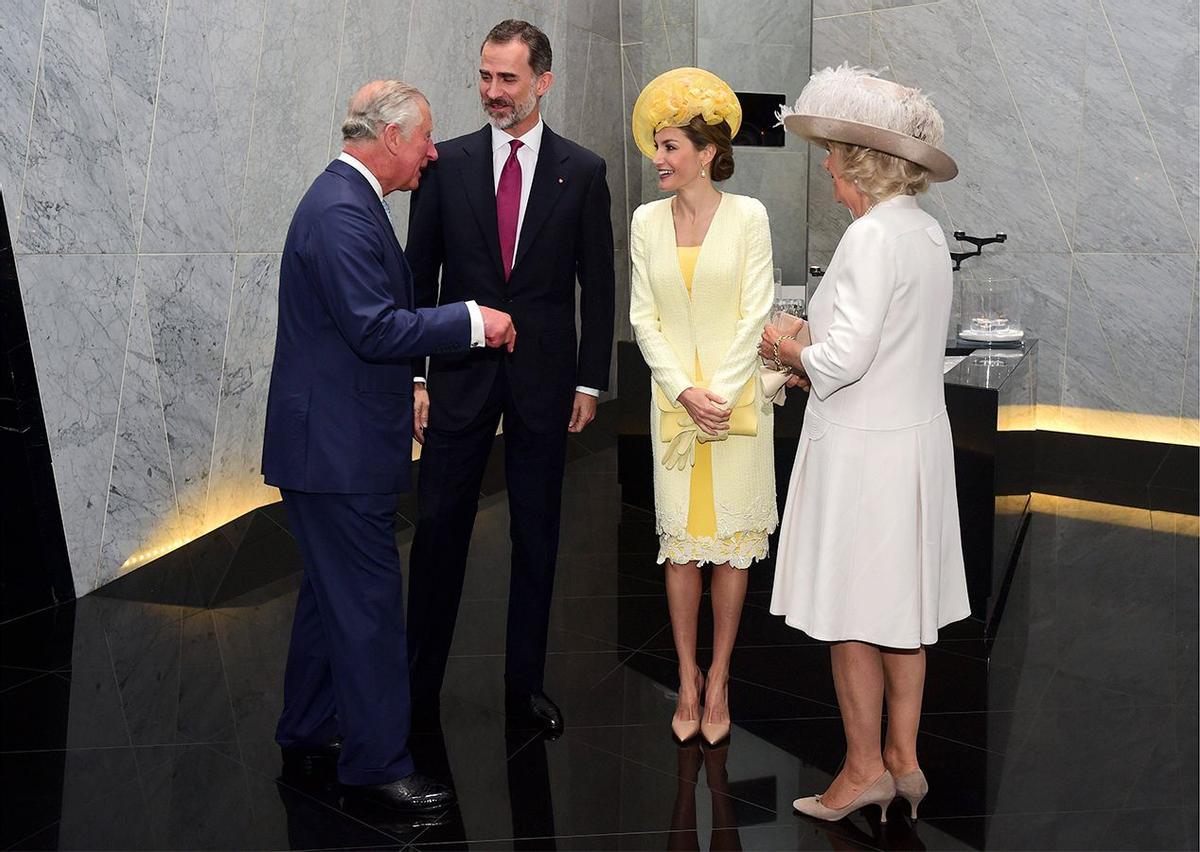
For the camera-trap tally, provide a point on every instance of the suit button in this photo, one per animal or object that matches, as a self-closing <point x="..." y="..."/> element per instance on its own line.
<point x="508" y="300"/>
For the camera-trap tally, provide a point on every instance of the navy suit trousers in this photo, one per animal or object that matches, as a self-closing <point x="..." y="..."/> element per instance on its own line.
<point x="347" y="668"/>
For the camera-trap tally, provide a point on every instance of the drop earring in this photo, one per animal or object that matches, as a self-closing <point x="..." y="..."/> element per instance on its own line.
<point x="703" y="172"/>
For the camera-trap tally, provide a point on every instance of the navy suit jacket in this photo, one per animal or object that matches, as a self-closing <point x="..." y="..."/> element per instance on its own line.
<point x="339" y="411"/>
<point x="566" y="236"/>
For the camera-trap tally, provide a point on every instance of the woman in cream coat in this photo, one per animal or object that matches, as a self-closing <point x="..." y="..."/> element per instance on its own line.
<point x="870" y="556"/>
<point x="702" y="289"/>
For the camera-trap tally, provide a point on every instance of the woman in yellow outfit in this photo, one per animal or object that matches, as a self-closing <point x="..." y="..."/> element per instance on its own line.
<point x="702" y="289"/>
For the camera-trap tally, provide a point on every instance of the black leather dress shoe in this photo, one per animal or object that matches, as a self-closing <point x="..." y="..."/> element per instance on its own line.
<point x="311" y="760"/>
<point x="412" y="793"/>
<point x="533" y="710"/>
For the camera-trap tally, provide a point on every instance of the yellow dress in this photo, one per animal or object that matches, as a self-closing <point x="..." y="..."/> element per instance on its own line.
<point x="701" y="543"/>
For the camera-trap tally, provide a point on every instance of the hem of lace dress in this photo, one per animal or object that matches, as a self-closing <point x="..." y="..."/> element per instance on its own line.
<point x="740" y="551"/>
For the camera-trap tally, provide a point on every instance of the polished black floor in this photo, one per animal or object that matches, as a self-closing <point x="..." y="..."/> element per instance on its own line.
<point x="141" y="717"/>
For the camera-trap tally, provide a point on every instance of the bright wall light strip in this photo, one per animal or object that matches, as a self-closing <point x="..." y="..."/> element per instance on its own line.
<point x="1119" y="424"/>
<point x="1172" y="523"/>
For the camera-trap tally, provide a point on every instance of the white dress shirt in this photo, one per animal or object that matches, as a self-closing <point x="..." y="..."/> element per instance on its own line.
<point x="477" y="335"/>
<point x="527" y="156"/>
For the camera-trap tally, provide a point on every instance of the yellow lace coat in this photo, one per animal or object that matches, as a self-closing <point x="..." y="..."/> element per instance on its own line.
<point x="719" y="323"/>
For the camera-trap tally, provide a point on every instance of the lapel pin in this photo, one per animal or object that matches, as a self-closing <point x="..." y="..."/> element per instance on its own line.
<point x="560" y="180"/>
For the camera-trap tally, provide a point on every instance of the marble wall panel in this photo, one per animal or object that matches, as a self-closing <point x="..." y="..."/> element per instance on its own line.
<point x="777" y="179"/>
<point x="297" y="80"/>
<point x="236" y="483"/>
<point x="600" y="131"/>
<point x="1044" y="66"/>
<point x="669" y="36"/>
<point x="1190" y="405"/>
<point x="76" y="189"/>
<point x="1128" y="336"/>
<point x="1160" y="48"/>
<point x="1125" y="201"/>
<point x="133" y="39"/>
<point x="602" y="17"/>
<point x="944" y="50"/>
<point x="188" y="302"/>
<point x="372" y="45"/>
<point x="77" y="308"/>
<point x="832" y="8"/>
<point x="632" y="12"/>
<point x="631" y="82"/>
<point x="141" y="505"/>
<point x="20" y="40"/>
<point x="202" y="128"/>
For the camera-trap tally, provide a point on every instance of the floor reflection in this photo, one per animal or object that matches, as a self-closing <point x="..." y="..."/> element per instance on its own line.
<point x="141" y="717"/>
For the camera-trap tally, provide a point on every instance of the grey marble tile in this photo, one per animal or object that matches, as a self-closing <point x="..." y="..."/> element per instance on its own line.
<point x="202" y="128"/>
<point x="777" y="179"/>
<point x="1127" y="339"/>
<point x="20" y="38"/>
<point x="1044" y="65"/>
<point x="1160" y="47"/>
<point x="829" y="8"/>
<point x="296" y="84"/>
<point x="668" y="35"/>
<point x="680" y="16"/>
<point x="1125" y="202"/>
<point x="188" y="301"/>
<point x="77" y="309"/>
<point x="764" y="22"/>
<point x="1191" y="377"/>
<point x="631" y="76"/>
<point x="752" y="67"/>
<point x="133" y="37"/>
<point x="632" y="15"/>
<point x="373" y="45"/>
<point x="236" y="485"/>
<point x="76" y="190"/>
<point x="141" y="513"/>
<point x="564" y="105"/>
<point x="601" y="130"/>
<point x="944" y="50"/>
<point x="602" y="17"/>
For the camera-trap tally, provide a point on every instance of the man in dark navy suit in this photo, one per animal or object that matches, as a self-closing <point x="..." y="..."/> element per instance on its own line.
<point x="338" y="444"/>
<point x="512" y="216"/>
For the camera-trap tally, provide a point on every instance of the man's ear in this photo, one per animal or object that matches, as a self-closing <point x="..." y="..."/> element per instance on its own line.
<point x="544" y="83"/>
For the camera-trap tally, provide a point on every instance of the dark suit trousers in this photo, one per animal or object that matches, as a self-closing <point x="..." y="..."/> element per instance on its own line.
<point x="347" y="669"/>
<point x="449" y="478"/>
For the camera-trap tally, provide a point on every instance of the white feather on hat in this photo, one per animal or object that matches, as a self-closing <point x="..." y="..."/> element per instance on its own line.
<point x="852" y="105"/>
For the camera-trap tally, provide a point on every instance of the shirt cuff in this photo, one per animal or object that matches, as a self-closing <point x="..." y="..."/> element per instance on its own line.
<point x="419" y="379"/>
<point x="588" y="391"/>
<point x="478" y="339"/>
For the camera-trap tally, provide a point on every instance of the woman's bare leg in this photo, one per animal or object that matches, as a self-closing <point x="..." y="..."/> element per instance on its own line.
<point x="728" y="595"/>
<point x="858" y="679"/>
<point x="904" y="684"/>
<point x="684" y="587"/>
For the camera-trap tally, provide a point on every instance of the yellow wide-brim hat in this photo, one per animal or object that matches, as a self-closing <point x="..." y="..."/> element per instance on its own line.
<point x="674" y="98"/>
<point x="855" y="106"/>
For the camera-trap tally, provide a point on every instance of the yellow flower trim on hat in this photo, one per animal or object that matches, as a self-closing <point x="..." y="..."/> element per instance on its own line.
<point x="674" y="98"/>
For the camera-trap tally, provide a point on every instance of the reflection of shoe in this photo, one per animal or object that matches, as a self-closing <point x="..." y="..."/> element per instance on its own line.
<point x="535" y="710"/>
<point x="913" y="787"/>
<point x="413" y="792"/>
<point x="881" y="792"/>
<point x="311" y="759"/>
<point x="685" y="730"/>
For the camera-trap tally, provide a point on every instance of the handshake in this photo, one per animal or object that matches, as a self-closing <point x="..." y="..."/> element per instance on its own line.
<point x="498" y="329"/>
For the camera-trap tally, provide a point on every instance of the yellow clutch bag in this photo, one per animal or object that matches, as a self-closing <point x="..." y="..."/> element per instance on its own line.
<point x="673" y="418"/>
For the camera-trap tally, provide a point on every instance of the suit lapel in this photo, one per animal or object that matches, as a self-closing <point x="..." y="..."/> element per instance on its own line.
<point x="375" y="205"/>
<point x="480" y="186"/>
<point x="549" y="180"/>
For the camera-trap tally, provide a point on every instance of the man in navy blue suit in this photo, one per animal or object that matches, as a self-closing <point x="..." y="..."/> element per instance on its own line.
<point x="516" y="216"/>
<point x="338" y="445"/>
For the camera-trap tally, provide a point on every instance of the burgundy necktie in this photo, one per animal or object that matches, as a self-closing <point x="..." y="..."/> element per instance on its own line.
<point x="508" y="206"/>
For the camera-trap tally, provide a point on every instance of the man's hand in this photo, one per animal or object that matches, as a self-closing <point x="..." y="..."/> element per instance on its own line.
<point x="420" y="411"/>
<point x="498" y="329"/>
<point x="583" y="412"/>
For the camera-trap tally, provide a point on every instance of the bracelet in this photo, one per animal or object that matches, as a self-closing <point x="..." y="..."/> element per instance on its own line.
<point x="779" y="364"/>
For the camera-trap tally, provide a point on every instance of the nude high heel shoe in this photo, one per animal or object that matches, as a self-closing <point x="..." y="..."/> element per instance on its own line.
<point x="913" y="787"/>
<point x="881" y="792"/>
<point x="685" y="730"/>
<point x="717" y="733"/>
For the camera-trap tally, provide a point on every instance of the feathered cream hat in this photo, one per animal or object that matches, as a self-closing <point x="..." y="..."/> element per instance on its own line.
<point x="852" y="105"/>
<point x="675" y="97"/>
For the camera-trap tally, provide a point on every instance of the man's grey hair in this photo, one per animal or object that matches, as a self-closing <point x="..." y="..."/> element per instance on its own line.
<point x="379" y="104"/>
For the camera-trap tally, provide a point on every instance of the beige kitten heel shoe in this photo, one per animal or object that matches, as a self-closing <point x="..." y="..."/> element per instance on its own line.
<point x="912" y="787"/>
<point x="881" y="792"/>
